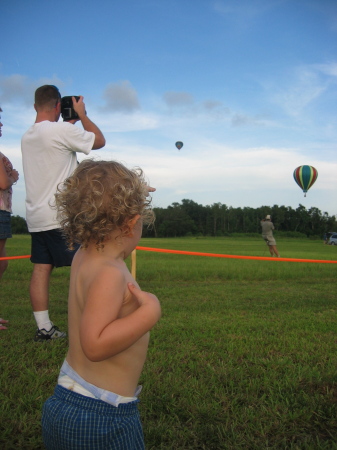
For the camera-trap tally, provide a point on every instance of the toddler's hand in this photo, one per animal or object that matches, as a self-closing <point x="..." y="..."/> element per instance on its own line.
<point x="150" y="189"/>
<point x="15" y="175"/>
<point x="146" y="299"/>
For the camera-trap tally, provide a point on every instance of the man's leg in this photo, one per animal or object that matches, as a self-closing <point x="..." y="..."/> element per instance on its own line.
<point x="276" y="251"/>
<point x="39" y="298"/>
<point x="39" y="287"/>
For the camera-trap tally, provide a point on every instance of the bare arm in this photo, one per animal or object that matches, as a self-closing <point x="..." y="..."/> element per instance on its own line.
<point x="103" y="333"/>
<point x="87" y="124"/>
<point x="6" y="180"/>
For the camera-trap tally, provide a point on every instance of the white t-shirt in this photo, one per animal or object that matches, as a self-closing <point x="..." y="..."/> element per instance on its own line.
<point x="49" y="157"/>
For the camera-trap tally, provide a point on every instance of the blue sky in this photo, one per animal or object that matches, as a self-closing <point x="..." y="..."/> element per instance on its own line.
<point x="249" y="86"/>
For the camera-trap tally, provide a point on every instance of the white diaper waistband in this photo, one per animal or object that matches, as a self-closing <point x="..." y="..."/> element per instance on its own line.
<point x="71" y="380"/>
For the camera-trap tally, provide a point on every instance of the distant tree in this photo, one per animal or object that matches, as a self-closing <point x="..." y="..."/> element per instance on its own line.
<point x="216" y="213"/>
<point x="19" y="225"/>
<point x="302" y="220"/>
<point x="197" y="213"/>
<point x="330" y="222"/>
<point x="177" y="222"/>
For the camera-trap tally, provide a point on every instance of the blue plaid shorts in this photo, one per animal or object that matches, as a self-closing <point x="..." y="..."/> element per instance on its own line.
<point x="71" y="421"/>
<point x="5" y="225"/>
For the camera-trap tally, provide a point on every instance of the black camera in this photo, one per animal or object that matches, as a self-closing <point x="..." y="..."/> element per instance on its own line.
<point x="67" y="111"/>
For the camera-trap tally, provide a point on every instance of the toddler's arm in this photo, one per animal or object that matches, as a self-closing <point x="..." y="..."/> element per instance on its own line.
<point x="103" y="333"/>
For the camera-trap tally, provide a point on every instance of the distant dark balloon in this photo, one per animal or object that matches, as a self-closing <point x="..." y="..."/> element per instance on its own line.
<point x="305" y="177"/>
<point x="179" y="145"/>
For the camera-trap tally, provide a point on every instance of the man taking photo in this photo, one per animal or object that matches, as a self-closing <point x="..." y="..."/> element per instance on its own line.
<point x="49" y="157"/>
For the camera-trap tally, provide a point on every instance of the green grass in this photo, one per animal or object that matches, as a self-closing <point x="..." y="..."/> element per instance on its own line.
<point x="244" y="356"/>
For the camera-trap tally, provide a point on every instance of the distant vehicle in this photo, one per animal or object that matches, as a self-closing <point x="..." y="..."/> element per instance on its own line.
<point x="333" y="239"/>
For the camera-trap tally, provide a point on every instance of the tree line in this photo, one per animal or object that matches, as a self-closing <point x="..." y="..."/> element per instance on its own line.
<point x="189" y="218"/>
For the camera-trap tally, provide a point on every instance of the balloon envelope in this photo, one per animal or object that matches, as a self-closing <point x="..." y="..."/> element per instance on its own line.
<point x="179" y="144"/>
<point x="305" y="177"/>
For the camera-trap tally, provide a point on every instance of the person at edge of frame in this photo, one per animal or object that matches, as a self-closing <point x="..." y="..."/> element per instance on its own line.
<point x="8" y="177"/>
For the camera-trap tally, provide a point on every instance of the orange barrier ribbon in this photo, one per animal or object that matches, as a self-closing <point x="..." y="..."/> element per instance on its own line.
<point x="216" y="255"/>
<point x="213" y="255"/>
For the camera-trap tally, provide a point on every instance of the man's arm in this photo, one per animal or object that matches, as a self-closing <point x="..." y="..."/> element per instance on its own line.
<point x="87" y="124"/>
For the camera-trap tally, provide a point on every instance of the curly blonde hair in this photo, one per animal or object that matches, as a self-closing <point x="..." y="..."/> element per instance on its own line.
<point x="99" y="198"/>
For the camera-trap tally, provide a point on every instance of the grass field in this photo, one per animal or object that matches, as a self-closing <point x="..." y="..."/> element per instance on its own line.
<point x="244" y="356"/>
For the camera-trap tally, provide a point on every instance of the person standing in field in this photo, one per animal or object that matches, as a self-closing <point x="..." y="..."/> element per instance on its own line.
<point x="327" y="237"/>
<point x="8" y="176"/>
<point x="49" y="150"/>
<point x="267" y="234"/>
<point x="102" y="207"/>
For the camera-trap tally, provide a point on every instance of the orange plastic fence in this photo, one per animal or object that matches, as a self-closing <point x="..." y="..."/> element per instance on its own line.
<point x="15" y="257"/>
<point x="214" y="255"/>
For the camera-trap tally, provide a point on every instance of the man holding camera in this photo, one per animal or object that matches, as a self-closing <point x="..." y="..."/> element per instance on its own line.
<point x="267" y="234"/>
<point x="49" y="152"/>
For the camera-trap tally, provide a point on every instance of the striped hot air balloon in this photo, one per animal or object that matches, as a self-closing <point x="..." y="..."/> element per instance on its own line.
<point x="305" y="177"/>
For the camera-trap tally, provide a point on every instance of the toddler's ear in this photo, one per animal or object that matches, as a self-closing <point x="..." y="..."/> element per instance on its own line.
<point x="132" y="222"/>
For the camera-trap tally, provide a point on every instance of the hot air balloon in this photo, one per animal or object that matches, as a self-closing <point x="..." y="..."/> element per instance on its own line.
<point x="179" y="144"/>
<point x="305" y="177"/>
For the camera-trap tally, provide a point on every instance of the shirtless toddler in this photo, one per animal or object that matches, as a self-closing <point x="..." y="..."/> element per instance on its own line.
<point x="102" y="206"/>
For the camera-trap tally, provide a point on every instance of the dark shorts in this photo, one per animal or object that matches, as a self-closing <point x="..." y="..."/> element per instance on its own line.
<point x="50" y="247"/>
<point x="5" y="225"/>
<point x="71" y="421"/>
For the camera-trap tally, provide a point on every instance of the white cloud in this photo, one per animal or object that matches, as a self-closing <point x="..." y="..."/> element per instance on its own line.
<point x="119" y="123"/>
<point x="245" y="12"/>
<point x="178" y="99"/>
<point x="305" y="87"/>
<point x="121" y="97"/>
<point x="18" y="88"/>
<point x="214" y="166"/>
<point x="211" y="172"/>
<point x="327" y="69"/>
<point x="204" y="171"/>
<point x="239" y="120"/>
